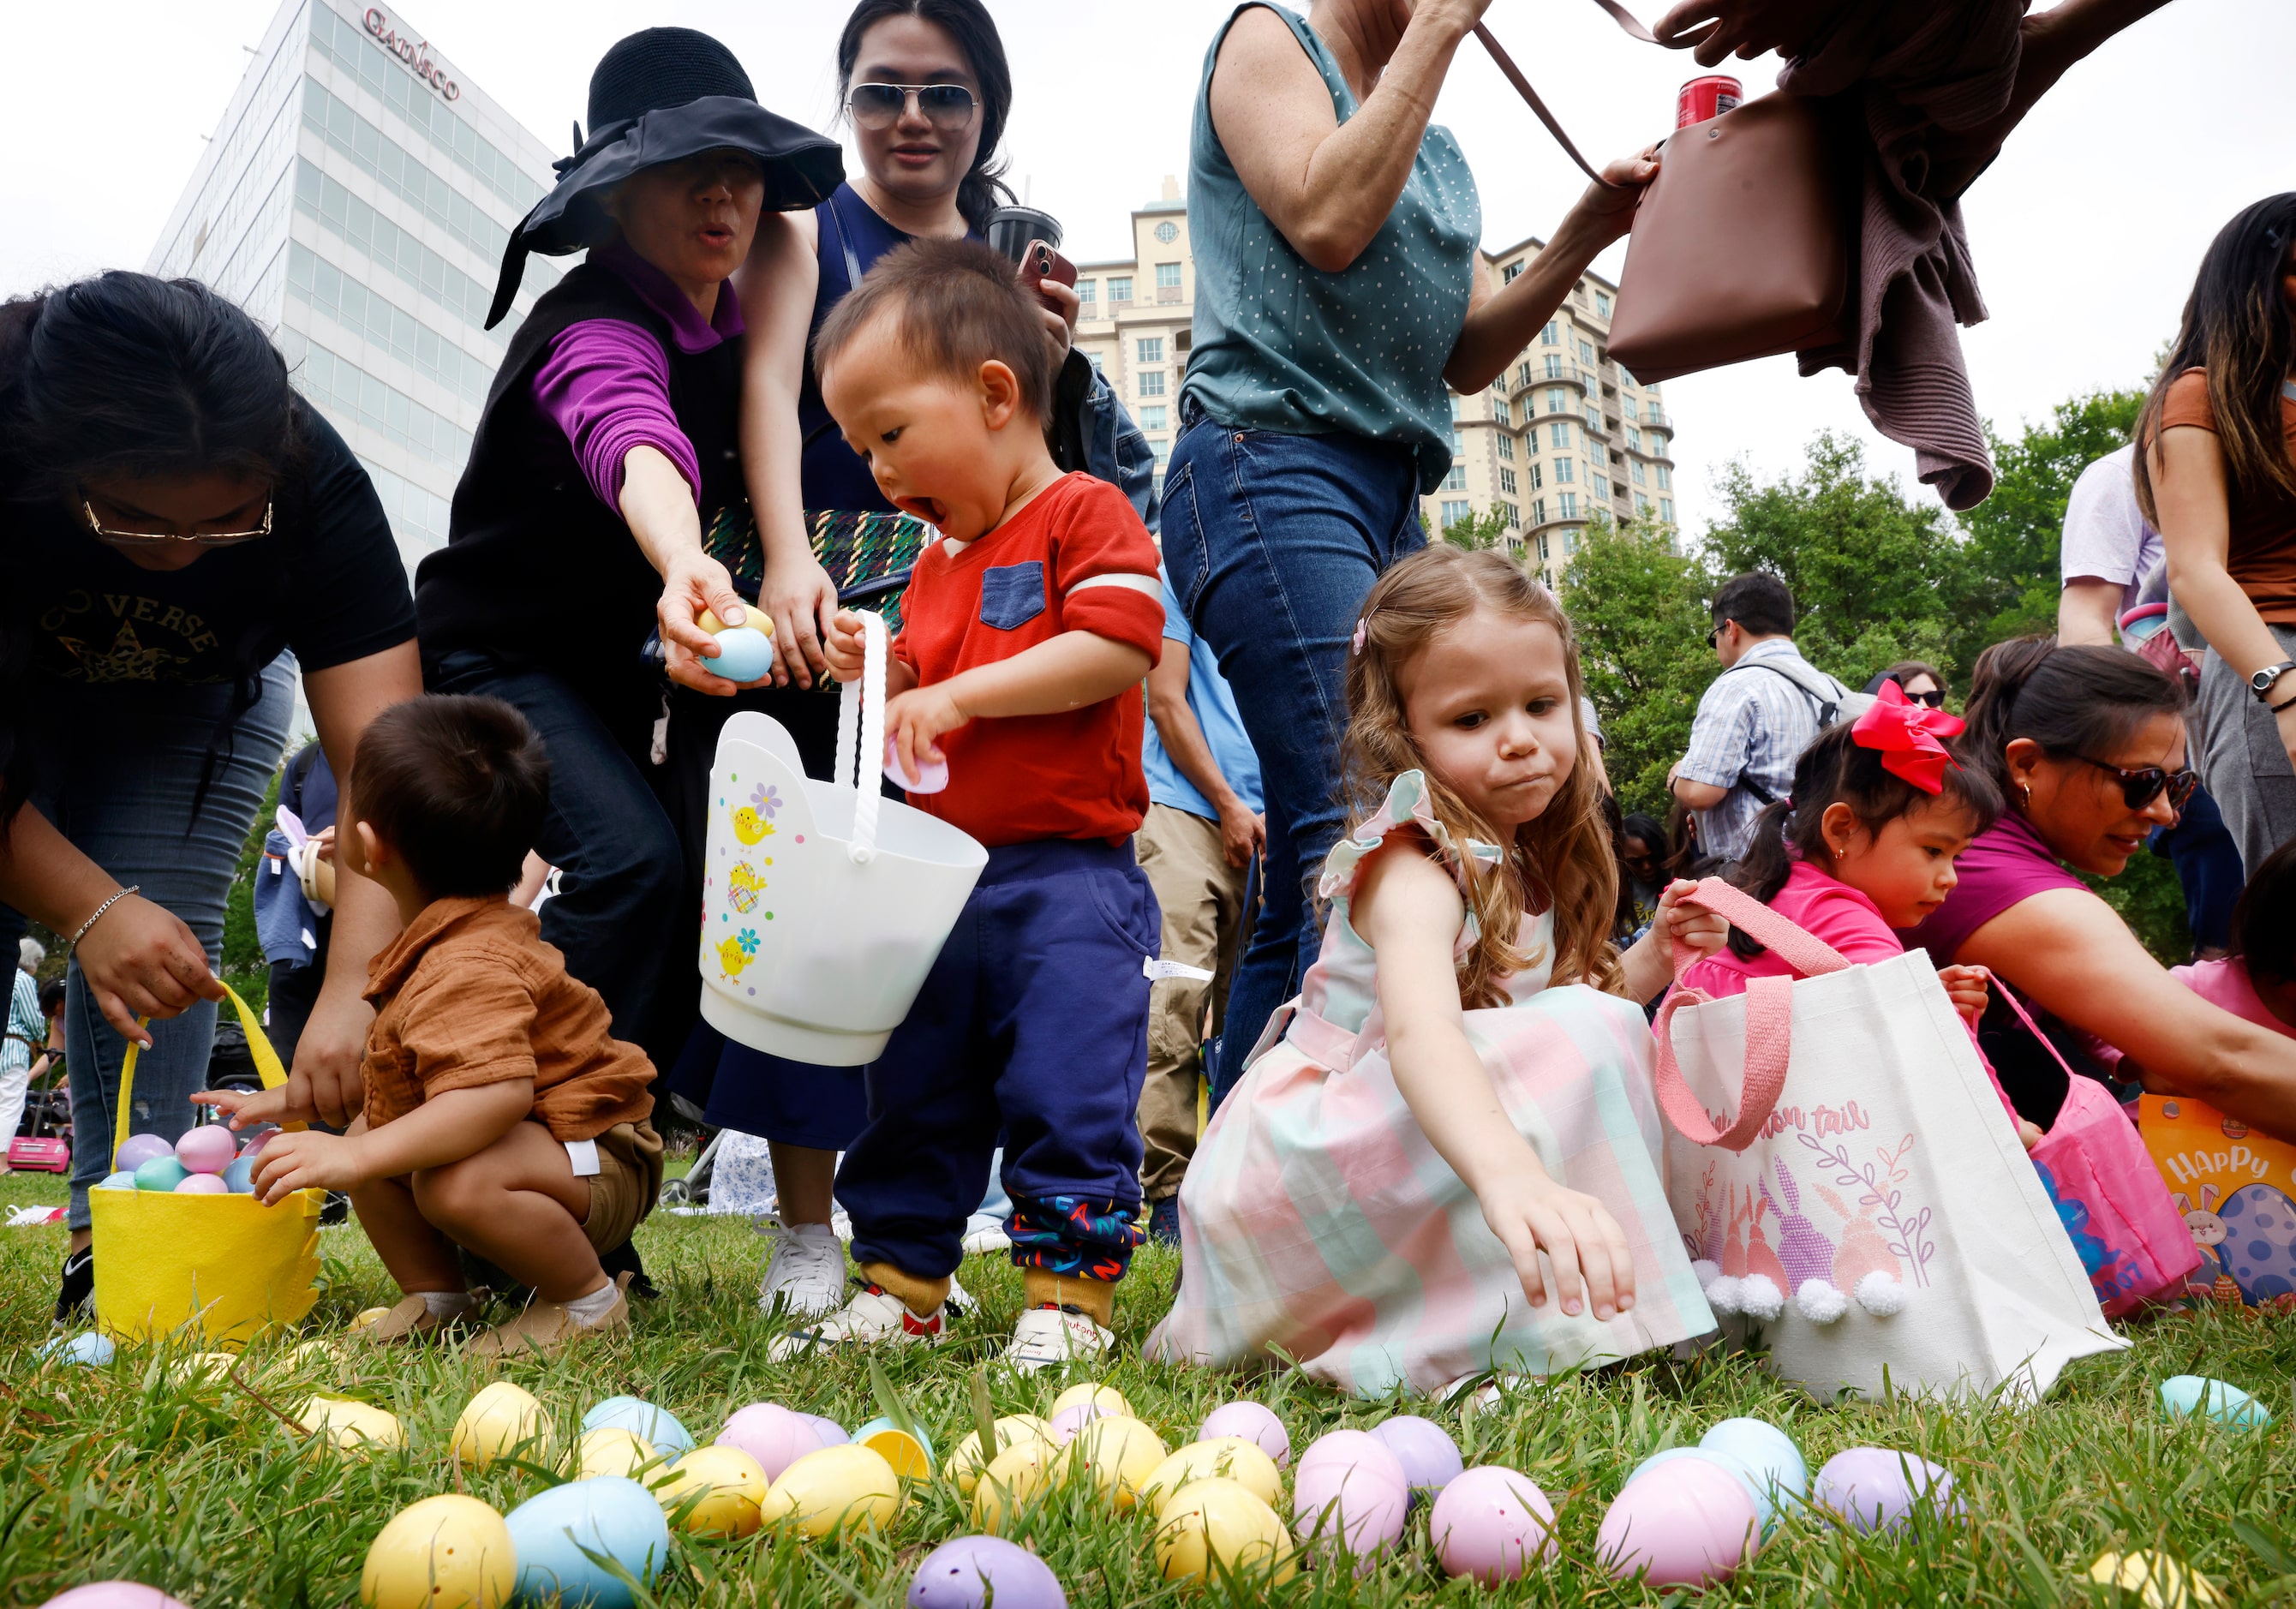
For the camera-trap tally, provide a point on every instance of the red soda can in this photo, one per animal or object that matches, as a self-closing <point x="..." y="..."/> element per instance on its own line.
<point x="1707" y="97"/>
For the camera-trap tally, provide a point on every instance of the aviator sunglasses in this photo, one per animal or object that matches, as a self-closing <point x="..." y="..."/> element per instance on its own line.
<point x="876" y="107"/>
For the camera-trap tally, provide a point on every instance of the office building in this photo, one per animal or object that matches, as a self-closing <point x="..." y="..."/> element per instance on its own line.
<point x="1561" y="436"/>
<point x="356" y="199"/>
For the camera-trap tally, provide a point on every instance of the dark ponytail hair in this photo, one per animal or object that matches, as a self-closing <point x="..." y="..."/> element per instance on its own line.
<point x="1834" y="769"/>
<point x="2264" y="919"/>
<point x="2086" y="700"/>
<point x="974" y="32"/>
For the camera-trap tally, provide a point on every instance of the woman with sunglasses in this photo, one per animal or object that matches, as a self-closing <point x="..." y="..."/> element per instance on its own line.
<point x="2087" y="745"/>
<point x="175" y="521"/>
<point x="1921" y="683"/>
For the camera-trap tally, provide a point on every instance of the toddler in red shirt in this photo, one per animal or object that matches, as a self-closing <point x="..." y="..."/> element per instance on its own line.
<point x="1027" y="628"/>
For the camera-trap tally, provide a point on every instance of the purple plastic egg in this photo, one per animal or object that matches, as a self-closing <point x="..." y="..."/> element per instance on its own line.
<point x="1686" y="1523"/>
<point x="962" y="1574"/>
<point x="134" y="1151"/>
<point x="776" y="1436"/>
<point x="1256" y="1423"/>
<point x="202" y="1183"/>
<point x="1491" y="1524"/>
<point x="112" y="1595"/>
<point x="207" y="1149"/>
<point x="1430" y="1458"/>
<point x="1874" y="1489"/>
<point x="1358" y="1508"/>
<point x="1073" y="1418"/>
<point x="832" y="1434"/>
<point x="263" y="1137"/>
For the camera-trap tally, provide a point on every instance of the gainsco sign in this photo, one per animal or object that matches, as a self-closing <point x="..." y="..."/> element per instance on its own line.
<point x="414" y="52"/>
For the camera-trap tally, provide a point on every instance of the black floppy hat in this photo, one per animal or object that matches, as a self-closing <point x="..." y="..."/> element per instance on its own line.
<point x="660" y="96"/>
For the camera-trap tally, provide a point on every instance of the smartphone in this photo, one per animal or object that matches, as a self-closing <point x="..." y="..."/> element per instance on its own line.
<point x="1038" y="263"/>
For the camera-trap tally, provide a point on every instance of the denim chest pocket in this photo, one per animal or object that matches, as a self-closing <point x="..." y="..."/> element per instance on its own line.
<point x="1012" y="595"/>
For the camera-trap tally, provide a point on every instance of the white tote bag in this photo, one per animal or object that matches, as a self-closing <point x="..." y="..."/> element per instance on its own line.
<point x="1850" y="1185"/>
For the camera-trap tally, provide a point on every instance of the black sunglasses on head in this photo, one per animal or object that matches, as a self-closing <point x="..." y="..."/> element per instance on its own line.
<point x="2140" y="786"/>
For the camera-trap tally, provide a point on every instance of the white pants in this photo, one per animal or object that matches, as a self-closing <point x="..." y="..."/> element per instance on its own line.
<point x="13" y="1083"/>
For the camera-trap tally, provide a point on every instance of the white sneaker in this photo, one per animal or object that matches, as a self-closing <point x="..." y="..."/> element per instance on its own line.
<point x="958" y="1303"/>
<point x="984" y="1233"/>
<point x="1047" y="1337"/>
<point x="805" y="1270"/>
<point x="872" y="1317"/>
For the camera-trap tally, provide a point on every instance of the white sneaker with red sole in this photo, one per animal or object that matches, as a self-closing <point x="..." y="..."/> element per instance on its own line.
<point x="873" y="1317"/>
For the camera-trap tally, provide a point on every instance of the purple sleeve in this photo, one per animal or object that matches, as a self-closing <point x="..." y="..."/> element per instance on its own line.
<point x="606" y="384"/>
<point x="2007" y="865"/>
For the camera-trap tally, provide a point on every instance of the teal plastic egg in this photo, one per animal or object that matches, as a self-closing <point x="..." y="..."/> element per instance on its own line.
<point x="2183" y="1394"/>
<point x="161" y="1173"/>
<point x="117" y="1181"/>
<point x="744" y="654"/>
<point x="653" y="1425"/>
<point x="609" y="1515"/>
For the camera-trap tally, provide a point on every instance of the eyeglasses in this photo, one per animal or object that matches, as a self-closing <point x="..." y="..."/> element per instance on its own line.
<point x="1935" y="698"/>
<point x="877" y="107"/>
<point x="2141" y="786"/>
<point x="154" y="538"/>
<point x="1713" y="635"/>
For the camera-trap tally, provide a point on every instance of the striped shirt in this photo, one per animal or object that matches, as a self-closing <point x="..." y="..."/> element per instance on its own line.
<point x="1752" y="725"/>
<point x="25" y="1030"/>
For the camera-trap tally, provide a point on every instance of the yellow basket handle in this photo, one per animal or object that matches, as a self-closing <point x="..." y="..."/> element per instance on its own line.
<point x="266" y="1067"/>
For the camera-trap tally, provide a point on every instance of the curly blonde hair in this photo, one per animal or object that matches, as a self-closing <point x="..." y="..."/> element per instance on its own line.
<point x="1562" y="860"/>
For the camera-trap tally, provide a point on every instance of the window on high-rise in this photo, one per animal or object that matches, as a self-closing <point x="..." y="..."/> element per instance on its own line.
<point x="1665" y="480"/>
<point x="1642" y="505"/>
<point x="1602" y="304"/>
<point x="1499" y="412"/>
<point x="1168" y="277"/>
<point x="1595" y="451"/>
<point x="1149" y="348"/>
<point x="1456" y="511"/>
<point x="1551" y="336"/>
<point x="1564" y="472"/>
<point x="1149" y="383"/>
<point x="1506" y="482"/>
<point x="1507" y="273"/>
<point x="1537" y="478"/>
<point x="1634" y="408"/>
<point x="1557" y="399"/>
<point x="1554" y="366"/>
<point x="1538" y="517"/>
<point x="1513" y="515"/>
<point x="1155" y="417"/>
<point x="1587" y="353"/>
<point x="1120" y="288"/>
<point x="1523" y="373"/>
<point x="1088" y="292"/>
<point x="1506" y="444"/>
<point x="1569" y="537"/>
<point x="1455" y="479"/>
<point x="1666" y="510"/>
<point x="1558" y="434"/>
<point x="1634" y="439"/>
<point x="1454" y="400"/>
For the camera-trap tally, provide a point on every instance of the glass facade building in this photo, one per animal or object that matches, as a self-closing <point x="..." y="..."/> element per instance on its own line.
<point x="355" y="199"/>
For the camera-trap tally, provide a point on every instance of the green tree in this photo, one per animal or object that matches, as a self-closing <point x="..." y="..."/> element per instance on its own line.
<point x="1639" y="608"/>
<point x="1478" y="531"/>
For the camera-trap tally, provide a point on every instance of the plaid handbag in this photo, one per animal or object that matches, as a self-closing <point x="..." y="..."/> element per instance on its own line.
<point x="868" y="555"/>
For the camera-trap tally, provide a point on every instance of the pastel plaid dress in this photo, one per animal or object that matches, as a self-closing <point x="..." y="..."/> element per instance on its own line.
<point x="1317" y="1220"/>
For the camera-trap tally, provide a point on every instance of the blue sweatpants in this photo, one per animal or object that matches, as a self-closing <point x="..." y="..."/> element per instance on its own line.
<point x="1033" y="1021"/>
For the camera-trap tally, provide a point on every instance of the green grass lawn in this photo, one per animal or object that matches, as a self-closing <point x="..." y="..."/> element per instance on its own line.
<point x="200" y="1491"/>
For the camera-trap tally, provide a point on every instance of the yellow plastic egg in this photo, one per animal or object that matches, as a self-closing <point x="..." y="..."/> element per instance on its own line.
<point x="1236" y="1458"/>
<point x="309" y="1354"/>
<point x="1012" y="1477"/>
<point x="732" y="1486"/>
<point x="202" y="1368"/>
<point x="348" y="1426"/>
<point x="447" y="1552"/>
<point x="835" y="1489"/>
<point x="964" y="1466"/>
<point x="368" y="1317"/>
<point x="1121" y="1453"/>
<point x="1107" y="1398"/>
<point x="1219" y="1519"/>
<point x="753" y="616"/>
<point x="611" y="1450"/>
<point x="2158" y="1581"/>
<point x="501" y="1421"/>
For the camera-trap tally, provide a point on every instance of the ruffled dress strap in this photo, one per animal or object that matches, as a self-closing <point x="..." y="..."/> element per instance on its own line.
<point x="1406" y="806"/>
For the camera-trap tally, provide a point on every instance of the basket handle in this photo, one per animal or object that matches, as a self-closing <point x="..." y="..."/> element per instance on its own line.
<point x="266" y="1068"/>
<point x="861" y="736"/>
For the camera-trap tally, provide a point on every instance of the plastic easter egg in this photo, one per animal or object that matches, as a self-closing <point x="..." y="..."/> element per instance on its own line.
<point x="1254" y="1421"/>
<point x="502" y="1422"/>
<point x="744" y="654"/>
<point x="1688" y="1523"/>
<point x="963" y="1574"/>
<point x="137" y="1149"/>
<point x="1226" y="1458"/>
<point x="202" y="1369"/>
<point x="1765" y="1511"/>
<point x="1357" y="1508"/>
<point x="161" y="1173"/>
<point x="348" y="1426"/>
<point x="1109" y="1400"/>
<point x="113" y="1595"/>
<point x="836" y="1489"/>
<point x="1491" y="1524"/>
<point x="1121" y="1453"/>
<point x="773" y="1435"/>
<point x="304" y="1355"/>
<point x="117" y="1181"/>
<point x="1428" y="1457"/>
<point x="1012" y="1477"/>
<point x="93" y="1348"/>
<point x="651" y="1425"/>
<point x="932" y="777"/>
<point x="447" y="1552"/>
<point x="1874" y="1489"/>
<point x="728" y="1484"/>
<point x="1219" y="1520"/>
<point x="368" y="1317"/>
<point x="611" y="1450"/>
<point x="239" y="1178"/>
<point x="964" y="1466"/>
<point x="2184" y="1394"/>
<point x="1767" y="1453"/>
<point x="609" y="1515"/>
<point x="832" y="1434"/>
<point x="1073" y="1418"/>
<point x="2154" y="1580"/>
<point x="209" y="1149"/>
<point x="202" y="1183"/>
<point x="911" y="1455"/>
<point x="1350" y="1448"/>
<point x="262" y="1138"/>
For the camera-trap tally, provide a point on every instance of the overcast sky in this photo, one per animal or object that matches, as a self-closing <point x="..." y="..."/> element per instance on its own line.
<point x="2086" y="231"/>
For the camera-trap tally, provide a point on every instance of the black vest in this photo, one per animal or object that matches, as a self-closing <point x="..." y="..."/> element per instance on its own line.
<point x="536" y="570"/>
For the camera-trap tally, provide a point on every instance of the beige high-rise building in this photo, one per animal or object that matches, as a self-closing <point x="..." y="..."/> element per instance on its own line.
<point x="1564" y="434"/>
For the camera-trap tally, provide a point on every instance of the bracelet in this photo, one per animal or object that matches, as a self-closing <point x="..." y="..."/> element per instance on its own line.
<point x="72" y="943"/>
<point x="2288" y="702"/>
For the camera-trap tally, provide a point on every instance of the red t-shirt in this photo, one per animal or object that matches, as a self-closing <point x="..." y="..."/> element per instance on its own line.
<point x="1076" y="558"/>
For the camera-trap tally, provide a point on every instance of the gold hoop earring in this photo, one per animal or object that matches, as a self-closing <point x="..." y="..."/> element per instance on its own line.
<point x="2025" y="788"/>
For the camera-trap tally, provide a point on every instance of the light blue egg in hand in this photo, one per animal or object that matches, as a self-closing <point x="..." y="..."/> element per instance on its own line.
<point x="744" y="654"/>
<point x="609" y="1516"/>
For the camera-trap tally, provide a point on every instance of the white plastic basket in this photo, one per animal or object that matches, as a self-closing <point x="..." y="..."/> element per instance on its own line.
<point x="824" y="904"/>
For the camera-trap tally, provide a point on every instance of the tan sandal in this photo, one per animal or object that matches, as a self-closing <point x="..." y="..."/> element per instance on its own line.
<point x="547" y="1326"/>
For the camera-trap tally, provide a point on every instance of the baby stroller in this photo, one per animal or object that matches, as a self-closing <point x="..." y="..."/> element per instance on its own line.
<point x="42" y="1143"/>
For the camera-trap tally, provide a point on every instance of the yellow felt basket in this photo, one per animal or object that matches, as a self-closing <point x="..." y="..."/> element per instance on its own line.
<point x="217" y="1270"/>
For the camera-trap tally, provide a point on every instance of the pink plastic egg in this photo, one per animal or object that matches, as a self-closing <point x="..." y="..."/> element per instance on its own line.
<point x="1351" y="1447"/>
<point x="112" y="1595"/>
<point x="207" y="1149"/>
<point x="772" y="1435"/>
<point x="1358" y="1508"/>
<point x="1256" y="1423"/>
<point x="136" y="1149"/>
<point x="1686" y="1523"/>
<point x="202" y="1183"/>
<point x="254" y="1147"/>
<point x="1491" y="1524"/>
<point x="1073" y="1418"/>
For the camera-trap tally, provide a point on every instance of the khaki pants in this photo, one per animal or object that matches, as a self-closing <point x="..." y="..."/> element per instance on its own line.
<point x="1202" y="900"/>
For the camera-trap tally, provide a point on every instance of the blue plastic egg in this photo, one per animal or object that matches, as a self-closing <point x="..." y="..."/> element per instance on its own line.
<point x="744" y="654"/>
<point x="239" y="1178"/>
<point x="161" y="1173"/>
<point x="90" y="1347"/>
<point x="117" y="1181"/>
<point x="644" y="1420"/>
<point x="2183" y="1394"/>
<point x="1767" y="1453"/>
<point x="1765" y="1510"/>
<point x="609" y="1515"/>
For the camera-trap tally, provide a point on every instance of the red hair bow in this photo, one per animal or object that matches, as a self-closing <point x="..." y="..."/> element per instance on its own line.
<point x="1909" y="737"/>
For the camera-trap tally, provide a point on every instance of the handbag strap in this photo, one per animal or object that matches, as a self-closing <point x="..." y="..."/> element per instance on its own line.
<point x="2034" y="1028"/>
<point x="1628" y="25"/>
<point x="258" y="1047"/>
<point x="1810" y="956"/>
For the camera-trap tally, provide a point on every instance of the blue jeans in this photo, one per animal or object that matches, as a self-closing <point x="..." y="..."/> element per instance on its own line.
<point x="2207" y="867"/>
<point x="1272" y="542"/>
<point x="119" y="764"/>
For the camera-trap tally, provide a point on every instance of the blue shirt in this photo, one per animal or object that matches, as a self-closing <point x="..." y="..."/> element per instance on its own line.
<point x="1284" y="346"/>
<point x="1752" y="724"/>
<point x="1214" y="708"/>
<point x="27" y="1031"/>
